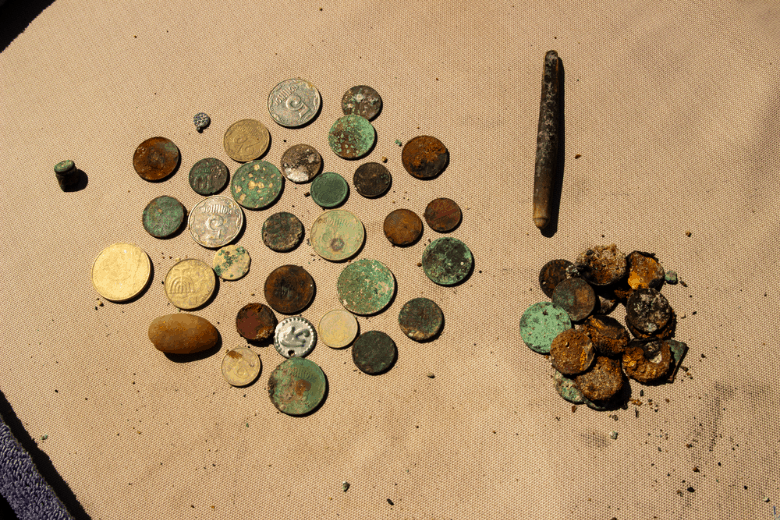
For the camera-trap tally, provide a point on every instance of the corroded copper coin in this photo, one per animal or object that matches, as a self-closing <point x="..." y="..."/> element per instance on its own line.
<point x="289" y="289"/>
<point x="372" y="180"/>
<point x="208" y="176"/>
<point x="156" y="158"/>
<point x="297" y="386"/>
<point x="648" y="311"/>
<point x="603" y="381"/>
<point x="363" y="101"/>
<point x="608" y="335"/>
<point x="421" y="319"/>
<point x="647" y="361"/>
<point x="425" y="157"/>
<point x="663" y="333"/>
<point x="567" y="388"/>
<point x="553" y="273"/>
<point x="576" y="297"/>
<point x="602" y="265"/>
<point x="282" y="232"/>
<point x="644" y="271"/>
<point x="255" y="321"/>
<point x="163" y="216"/>
<point x="572" y="352"/>
<point x="374" y="352"/>
<point x="442" y="215"/>
<point x="301" y="163"/>
<point x="447" y="261"/>
<point x="403" y="227"/>
<point x="351" y="137"/>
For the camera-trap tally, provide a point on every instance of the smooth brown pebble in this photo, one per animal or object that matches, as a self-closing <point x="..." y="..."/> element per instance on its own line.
<point x="182" y="334"/>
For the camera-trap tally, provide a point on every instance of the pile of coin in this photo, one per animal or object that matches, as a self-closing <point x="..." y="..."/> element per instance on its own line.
<point x="365" y="286"/>
<point x="593" y="359"/>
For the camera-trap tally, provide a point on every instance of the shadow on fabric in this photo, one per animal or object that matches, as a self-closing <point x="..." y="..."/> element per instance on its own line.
<point x="16" y="16"/>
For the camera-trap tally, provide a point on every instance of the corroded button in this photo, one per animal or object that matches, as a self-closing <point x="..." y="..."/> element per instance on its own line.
<point x="351" y="137"/>
<point x="163" y="216"/>
<point x="609" y="337"/>
<point x="256" y="321"/>
<point x="215" y="221"/>
<point x="572" y="352"/>
<point x="256" y="184"/>
<point x="301" y="163"/>
<point x="282" y="232"/>
<point x="372" y="180"/>
<point x="443" y="215"/>
<point x="329" y="190"/>
<point x="402" y="227"/>
<point x="240" y="366"/>
<point x="297" y="386"/>
<point x="338" y="328"/>
<point x="208" y="176"/>
<point x="541" y="323"/>
<point x="294" y="102"/>
<point x="644" y="271"/>
<point x="553" y="273"/>
<point x="603" y="381"/>
<point x="602" y="265"/>
<point x="337" y="235"/>
<point x="363" y="101"/>
<point x="648" y="311"/>
<point x="231" y="262"/>
<point x="246" y="140"/>
<point x="156" y="158"/>
<point x="182" y="334"/>
<point x="647" y="361"/>
<point x="289" y="289"/>
<point x="121" y="271"/>
<point x="189" y="284"/>
<point x="425" y="157"/>
<point x="567" y="388"/>
<point x="374" y="352"/>
<point x="295" y="337"/>
<point x="447" y="261"/>
<point x="365" y="286"/>
<point x="421" y="319"/>
<point x="576" y="297"/>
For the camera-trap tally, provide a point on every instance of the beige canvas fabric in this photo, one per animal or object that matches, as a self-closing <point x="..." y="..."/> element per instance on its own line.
<point x="671" y="127"/>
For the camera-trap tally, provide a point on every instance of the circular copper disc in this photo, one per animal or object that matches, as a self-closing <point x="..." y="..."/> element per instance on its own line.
<point x="372" y="180"/>
<point x="648" y="311"/>
<point x="603" y="381"/>
<point x="289" y="289"/>
<point x="156" y="158"/>
<point x="553" y="273"/>
<point x="647" y="361"/>
<point x="443" y="215"/>
<point x="572" y="352"/>
<point x="424" y="157"/>
<point x="255" y="321"/>
<point x="576" y="297"/>
<point x="403" y="227"/>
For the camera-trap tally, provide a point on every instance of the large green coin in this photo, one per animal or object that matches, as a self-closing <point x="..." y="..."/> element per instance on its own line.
<point x="351" y="137"/>
<point x="256" y="184"/>
<point x="541" y="323"/>
<point x="297" y="386"/>
<point x="163" y="216"/>
<point x="365" y="287"/>
<point x="447" y="261"/>
<point x="329" y="190"/>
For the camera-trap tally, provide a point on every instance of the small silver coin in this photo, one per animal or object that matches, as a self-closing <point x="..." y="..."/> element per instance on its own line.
<point x="294" y="102"/>
<point x="215" y="221"/>
<point x="295" y="337"/>
<point x="301" y="163"/>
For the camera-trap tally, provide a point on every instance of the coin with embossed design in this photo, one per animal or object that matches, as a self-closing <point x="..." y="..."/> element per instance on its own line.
<point x="256" y="184"/>
<point x="338" y="328"/>
<point x="163" y="216"/>
<point x="365" y="286"/>
<point x="301" y="163"/>
<point x="208" y="176"/>
<point x="363" y="101"/>
<point x="289" y="289"/>
<point x="156" y="158"/>
<point x="336" y="235"/>
<point x="297" y="386"/>
<point x="231" y="262"/>
<point x="246" y="140"/>
<point x="351" y="137"/>
<point x="295" y="337"/>
<point x="189" y="284"/>
<point x="294" y="102"/>
<point x="240" y="366"/>
<point x="215" y="221"/>
<point x="121" y="271"/>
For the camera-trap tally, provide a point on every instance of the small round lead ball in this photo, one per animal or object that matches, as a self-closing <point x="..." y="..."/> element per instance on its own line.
<point x="201" y="120"/>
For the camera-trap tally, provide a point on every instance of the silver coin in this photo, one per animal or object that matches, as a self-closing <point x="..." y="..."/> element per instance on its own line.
<point x="301" y="163"/>
<point x="216" y="221"/>
<point x="295" y="337"/>
<point x="294" y="102"/>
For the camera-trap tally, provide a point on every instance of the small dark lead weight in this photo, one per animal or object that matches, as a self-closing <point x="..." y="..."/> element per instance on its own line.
<point x="67" y="174"/>
<point x="202" y="121"/>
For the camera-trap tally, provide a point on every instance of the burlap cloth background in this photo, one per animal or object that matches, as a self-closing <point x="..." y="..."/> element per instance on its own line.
<point x="673" y="108"/>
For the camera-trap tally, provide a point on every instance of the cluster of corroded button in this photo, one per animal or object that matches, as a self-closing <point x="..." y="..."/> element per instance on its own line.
<point x="592" y="360"/>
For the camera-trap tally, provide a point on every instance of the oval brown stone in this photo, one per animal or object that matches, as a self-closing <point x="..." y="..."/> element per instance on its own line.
<point x="182" y="334"/>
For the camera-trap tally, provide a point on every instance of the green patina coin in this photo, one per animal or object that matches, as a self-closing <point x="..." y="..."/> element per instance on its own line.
<point x="163" y="216"/>
<point x="256" y="184"/>
<point x="351" y="137"/>
<point x="365" y="287"/>
<point x="297" y="386"/>
<point x="282" y="232"/>
<point x="374" y="352"/>
<point x="421" y="319"/>
<point x="447" y="261"/>
<point x="231" y="262"/>
<point x="208" y="176"/>
<point x="567" y="388"/>
<point x="329" y="190"/>
<point x="541" y="323"/>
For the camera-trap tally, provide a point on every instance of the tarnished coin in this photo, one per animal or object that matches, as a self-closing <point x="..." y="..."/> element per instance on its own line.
<point x="541" y="323"/>
<point x="216" y="221"/>
<point x="646" y="362"/>
<point x="365" y="286"/>
<point x="294" y="102"/>
<point x="402" y="227"/>
<point x="282" y="232"/>
<point x="603" y="381"/>
<point x="338" y="328"/>
<point x="447" y="261"/>
<point x="163" y="216"/>
<point x="576" y="297"/>
<point x="363" y="101"/>
<point x="567" y="388"/>
<point x="329" y="190"/>
<point x="297" y="386"/>
<point x="351" y="137"/>
<point x="374" y="352"/>
<point x="443" y="215"/>
<point x="608" y="335"/>
<point x="231" y="262"/>
<point x="602" y="265"/>
<point x="372" y="180"/>
<point x="648" y="311"/>
<point x="208" y="176"/>
<point x="121" y="271"/>
<point x="156" y="158"/>
<point x="678" y="350"/>
<point x="301" y="163"/>
<point x="421" y="319"/>
<point x="289" y="289"/>
<point x="256" y="184"/>
<point x="336" y="235"/>
<point x="425" y="157"/>
<point x="246" y="140"/>
<point x="240" y="366"/>
<point x="551" y="274"/>
<point x="572" y="352"/>
<point x="644" y="271"/>
<point x="189" y="284"/>
<point x="256" y="321"/>
<point x="295" y="337"/>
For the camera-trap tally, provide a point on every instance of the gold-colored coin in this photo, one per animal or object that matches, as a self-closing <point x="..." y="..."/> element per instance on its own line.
<point x="189" y="284"/>
<point x="338" y="328"/>
<point x="246" y="140"/>
<point x="337" y="235"/>
<point x="121" y="271"/>
<point x="240" y="366"/>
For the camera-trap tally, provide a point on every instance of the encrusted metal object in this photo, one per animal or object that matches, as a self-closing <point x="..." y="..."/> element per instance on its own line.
<point x="647" y="361"/>
<point x="240" y="366"/>
<point x="282" y="232"/>
<point x="541" y="323"/>
<point x="337" y="235"/>
<point x="447" y="261"/>
<point x="189" y="284"/>
<point x="372" y="180"/>
<point x="644" y="271"/>
<point x="678" y="349"/>
<point x="553" y="273"/>
<point x="301" y="163"/>
<point x="294" y="102"/>
<point x="648" y="311"/>
<point x="602" y="265"/>
<point x="443" y="215"/>
<point x="289" y="289"/>
<point x="374" y="352"/>
<point x="297" y="386"/>
<point x="609" y="337"/>
<point x="402" y="227"/>
<point x="156" y="158"/>
<point x="365" y="287"/>
<point x="256" y="184"/>
<point x="256" y="321"/>
<point x="351" y="137"/>
<point x="602" y="381"/>
<point x="216" y="221"/>
<point x="163" y="216"/>
<point x="202" y="121"/>
<point x="246" y="140"/>
<point x="363" y="101"/>
<point x="421" y="319"/>
<point x="576" y="297"/>
<point x="208" y="176"/>
<point x="231" y="262"/>
<point x="572" y="352"/>
<point x="567" y="388"/>
<point x="547" y="137"/>
<point x="295" y="337"/>
<point x="67" y="174"/>
<point x="425" y="157"/>
<point x="121" y="271"/>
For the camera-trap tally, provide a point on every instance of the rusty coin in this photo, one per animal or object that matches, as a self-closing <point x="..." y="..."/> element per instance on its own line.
<point x="553" y="273"/>
<point x="372" y="180"/>
<point x="163" y="216"/>
<point x="572" y="352"/>
<point x="442" y="215"/>
<point x="282" y="232"/>
<point x="603" y="381"/>
<point x="648" y="311"/>
<point x="208" y="176"/>
<point x="403" y="227"/>
<point x="576" y="297"/>
<point x="644" y="271"/>
<point x="156" y="158"/>
<point x="421" y="319"/>
<point x="301" y="163"/>
<point x="351" y="137"/>
<point x="567" y="388"/>
<point x="289" y="289"/>
<point x="608" y="335"/>
<point x="664" y="333"/>
<point x="447" y="261"/>
<point x="602" y="265"/>
<point x="297" y="386"/>
<point x="374" y="352"/>
<point x="255" y="321"/>
<point x="647" y="361"/>
<point x="363" y="101"/>
<point x="425" y="157"/>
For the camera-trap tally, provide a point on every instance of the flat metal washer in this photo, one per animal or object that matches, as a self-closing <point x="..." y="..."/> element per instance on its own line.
<point x="295" y="337"/>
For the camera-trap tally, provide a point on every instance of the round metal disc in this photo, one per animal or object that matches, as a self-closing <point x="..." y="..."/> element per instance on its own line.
<point x="121" y="271"/>
<point x="156" y="158"/>
<point x="421" y="319"/>
<point x="576" y="297"/>
<point x="447" y="261"/>
<point x="297" y="386"/>
<point x="351" y="137"/>
<point x="443" y="215"/>
<point x="372" y="180"/>
<point x="374" y="352"/>
<point x="541" y="323"/>
<point x="256" y="321"/>
<point x="295" y="337"/>
<point x="293" y="102"/>
<point x="189" y="284"/>
<point x="282" y="232"/>
<point x="240" y="366"/>
<point x="289" y="289"/>
<point x="363" y="101"/>
<point x="208" y="176"/>
<point x="402" y="227"/>
<point x="551" y="274"/>
<point x="301" y="163"/>
<point x="231" y="262"/>
<point x="163" y="216"/>
<point x="329" y="190"/>
<point x="337" y="235"/>
<point x="338" y="328"/>
<point x="246" y="140"/>
<point x="425" y="157"/>
<point x="567" y="388"/>
<point x="365" y="286"/>
<point x="216" y="221"/>
<point x="256" y="184"/>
